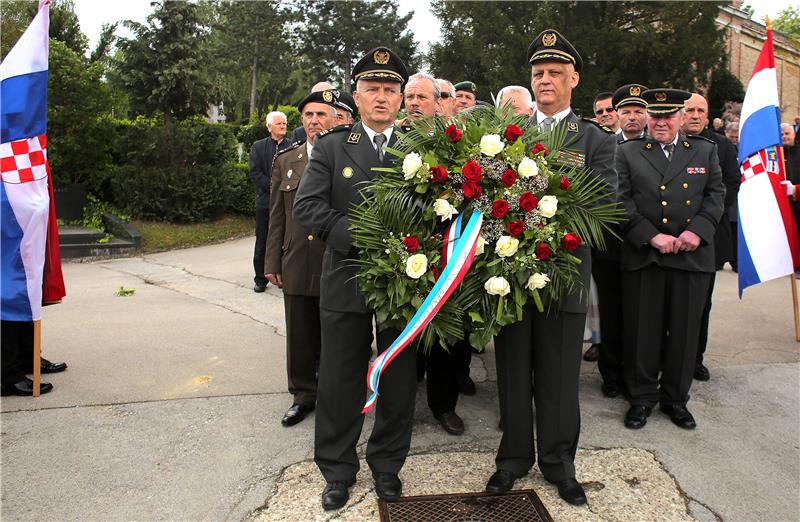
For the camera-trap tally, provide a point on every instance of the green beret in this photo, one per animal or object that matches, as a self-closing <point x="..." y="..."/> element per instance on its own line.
<point x="466" y="85"/>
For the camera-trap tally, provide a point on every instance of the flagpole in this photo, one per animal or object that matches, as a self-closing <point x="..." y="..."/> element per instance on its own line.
<point x="37" y="356"/>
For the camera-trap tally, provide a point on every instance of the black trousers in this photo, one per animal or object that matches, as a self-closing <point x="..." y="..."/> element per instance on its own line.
<point x="303" y="342"/>
<point x="704" y="319"/>
<point x="663" y="309"/>
<point x="16" y="350"/>
<point x="735" y="244"/>
<point x="549" y="347"/>
<point x="342" y="392"/>
<point x="608" y="278"/>
<point x="260" y="250"/>
<point x="443" y="370"/>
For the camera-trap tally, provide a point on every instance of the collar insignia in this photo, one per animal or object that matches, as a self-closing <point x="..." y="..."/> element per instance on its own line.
<point x="353" y="138"/>
<point x="572" y="126"/>
<point x="648" y="146"/>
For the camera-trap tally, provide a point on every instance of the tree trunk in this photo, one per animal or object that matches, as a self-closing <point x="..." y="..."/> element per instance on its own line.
<point x="253" y="84"/>
<point x="348" y="72"/>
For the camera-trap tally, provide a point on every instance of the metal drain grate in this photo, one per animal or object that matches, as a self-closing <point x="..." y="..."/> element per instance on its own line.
<point x="523" y="505"/>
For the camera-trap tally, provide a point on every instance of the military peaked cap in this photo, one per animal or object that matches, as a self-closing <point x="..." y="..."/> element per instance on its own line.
<point x="665" y="101"/>
<point x="466" y="85"/>
<point x="630" y="94"/>
<point x="551" y="46"/>
<point x="380" y="64"/>
<point x="347" y="102"/>
<point x="328" y="97"/>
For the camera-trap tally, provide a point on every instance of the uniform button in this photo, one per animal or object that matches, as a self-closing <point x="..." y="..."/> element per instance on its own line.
<point x="665" y="221"/>
<point x="663" y="203"/>
<point x="663" y="187"/>
<point x="685" y="185"/>
<point x="688" y="220"/>
<point x="310" y="237"/>
<point x="688" y="202"/>
<point x="288" y="187"/>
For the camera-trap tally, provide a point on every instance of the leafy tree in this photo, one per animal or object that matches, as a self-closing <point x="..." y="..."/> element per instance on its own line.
<point x="788" y="22"/>
<point x="162" y="66"/>
<point x="620" y="42"/>
<point x="16" y="15"/>
<point x="724" y="87"/>
<point x="335" y="34"/>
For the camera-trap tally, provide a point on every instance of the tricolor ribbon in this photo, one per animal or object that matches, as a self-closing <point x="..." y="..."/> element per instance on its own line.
<point x="458" y="253"/>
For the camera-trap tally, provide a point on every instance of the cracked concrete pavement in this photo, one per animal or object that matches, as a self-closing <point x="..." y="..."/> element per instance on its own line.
<point x="171" y="407"/>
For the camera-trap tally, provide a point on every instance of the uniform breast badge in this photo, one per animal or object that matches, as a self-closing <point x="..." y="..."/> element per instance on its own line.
<point x="347" y="172"/>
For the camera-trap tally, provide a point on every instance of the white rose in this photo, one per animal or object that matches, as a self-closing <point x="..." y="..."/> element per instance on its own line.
<point x="416" y="265"/>
<point x="480" y="246"/>
<point x="537" y="281"/>
<point x="497" y="286"/>
<point x="527" y="168"/>
<point x="491" y="144"/>
<point x="548" y="206"/>
<point x="411" y="163"/>
<point x="506" y="246"/>
<point x="444" y="209"/>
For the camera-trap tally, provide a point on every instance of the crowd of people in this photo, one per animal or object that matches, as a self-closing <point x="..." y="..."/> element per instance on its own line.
<point x="673" y="173"/>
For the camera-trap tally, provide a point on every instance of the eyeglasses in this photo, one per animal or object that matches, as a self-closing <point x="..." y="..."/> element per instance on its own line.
<point x="607" y="110"/>
<point x="446" y="95"/>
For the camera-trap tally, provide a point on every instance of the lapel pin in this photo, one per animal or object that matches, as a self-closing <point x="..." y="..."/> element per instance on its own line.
<point x="347" y="172"/>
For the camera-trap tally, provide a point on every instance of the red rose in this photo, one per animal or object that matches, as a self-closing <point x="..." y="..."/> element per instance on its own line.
<point x="539" y="148"/>
<point x="472" y="190"/>
<point x="438" y="174"/>
<point x="452" y="133"/>
<point x="571" y="242"/>
<point x="436" y="272"/>
<point x="411" y="243"/>
<point x="543" y="252"/>
<point x="472" y="171"/>
<point x="512" y="133"/>
<point x="508" y="177"/>
<point x="516" y="228"/>
<point x="499" y="209"/>
<point x="564" y="185"/>
<point x="528" y="202"/>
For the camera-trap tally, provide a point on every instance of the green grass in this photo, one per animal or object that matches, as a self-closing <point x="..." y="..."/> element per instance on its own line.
<point x="158" y="237"/>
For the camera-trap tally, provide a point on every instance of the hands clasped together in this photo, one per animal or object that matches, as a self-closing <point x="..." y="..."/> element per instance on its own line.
<point x="666" y="244"/>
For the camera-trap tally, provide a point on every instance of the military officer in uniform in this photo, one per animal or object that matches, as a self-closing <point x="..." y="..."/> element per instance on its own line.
<point x="294" y="258"/>
<point x="466" y="95"/>
<point x="549" y="344"/>
<point x="339" y="169"/>
<point x="631" y="110"/>
<point x="672" y="191"/>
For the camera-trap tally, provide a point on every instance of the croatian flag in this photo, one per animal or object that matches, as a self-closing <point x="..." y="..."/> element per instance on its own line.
<point x="767" y="233"/>
<point x="29" y="235"/>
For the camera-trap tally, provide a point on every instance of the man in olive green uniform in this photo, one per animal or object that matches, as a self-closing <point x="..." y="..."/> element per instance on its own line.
<point x="549" y="345"/>
<point x="294" y="258"/>
<point x="339" y="169"/>
<point x="671" y="187"/>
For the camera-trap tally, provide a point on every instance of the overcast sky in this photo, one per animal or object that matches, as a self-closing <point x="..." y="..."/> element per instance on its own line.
<point x="92" y="14"/>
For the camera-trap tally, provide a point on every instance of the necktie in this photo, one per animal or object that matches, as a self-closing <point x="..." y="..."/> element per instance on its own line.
<point x="668" y="149"/>
<point x="547" y="124"/>
<point x="379" y="140"/>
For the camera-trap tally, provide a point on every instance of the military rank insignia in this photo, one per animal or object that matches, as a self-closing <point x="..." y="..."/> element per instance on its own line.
<point x="648" y="146"/>
<point x="695" y="170"/>
<point x="572" y="126"/>
<point x="347" y="172"/>
<point x="686" y="145"/>
<point x="354" y="138"/>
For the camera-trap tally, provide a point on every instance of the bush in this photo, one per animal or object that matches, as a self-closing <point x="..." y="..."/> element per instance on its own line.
<point x="177" y="173"/>
<point x="242" y="197"/>
<point x="724" y="87"/>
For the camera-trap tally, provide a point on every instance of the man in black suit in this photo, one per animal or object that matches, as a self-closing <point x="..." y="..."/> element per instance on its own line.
<point x="671" y="187"/>
<point x="261" y="155"/>
<point x="695" y="122"/>
<point x="549" y="345"/>
<point x="339" y="168"/>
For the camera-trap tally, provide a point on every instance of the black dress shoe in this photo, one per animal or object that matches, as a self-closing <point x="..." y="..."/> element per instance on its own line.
<point x="387" y="486"/>
<point x="679" y="416"/>
<point x="466" y="386"/>
<point x="51" y="367"/>
<point x="593" y="353"/>
<point x="610" y="389"/>
<point x="451" y="422"/>
<point x="636" y="417"/>
<point x="259" y="287"/>
<point x="501" y="482"/>
<point x="571" y="491"/>
<point x="295" y="414"/>
<point x="24" y="387"/>
<point x="701" y="372"/>
<point x="336" y="494"/>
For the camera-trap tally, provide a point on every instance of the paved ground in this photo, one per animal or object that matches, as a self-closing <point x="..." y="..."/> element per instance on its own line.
<point x="170" y="410"/>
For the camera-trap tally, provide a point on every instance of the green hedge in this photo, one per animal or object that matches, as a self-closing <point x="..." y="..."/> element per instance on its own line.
<point x="179" y="173"/>
<point x="242" y="193"/>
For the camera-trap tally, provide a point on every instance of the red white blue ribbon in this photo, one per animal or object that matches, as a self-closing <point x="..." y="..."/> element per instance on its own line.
<point x="458" y="253"/>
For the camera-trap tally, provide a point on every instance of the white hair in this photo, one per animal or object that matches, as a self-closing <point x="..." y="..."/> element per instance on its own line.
<point x="505" y="91"/>
<point x="451" y="89"/>
<point x="787" y="126"/>
<point x="437" y="92"/>
<point x="272" y="115"/>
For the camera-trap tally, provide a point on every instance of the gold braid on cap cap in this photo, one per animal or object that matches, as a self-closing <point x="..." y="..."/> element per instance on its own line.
<point x="553" y="53"/>
<point x="663" y="108"/>
<point x="379" y="73"/>
<point x="631" y="100"/>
